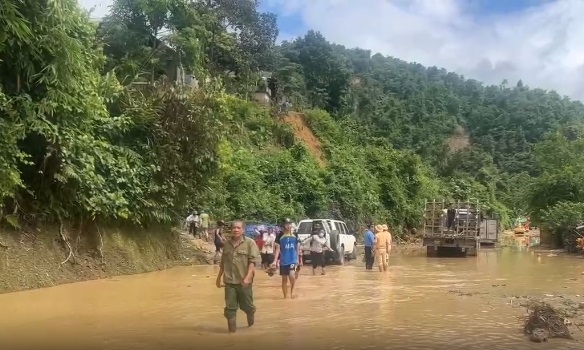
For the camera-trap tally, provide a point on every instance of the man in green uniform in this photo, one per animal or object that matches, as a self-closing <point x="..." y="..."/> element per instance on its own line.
<point x="238" y="262"/>
<point x="204" y="217"/>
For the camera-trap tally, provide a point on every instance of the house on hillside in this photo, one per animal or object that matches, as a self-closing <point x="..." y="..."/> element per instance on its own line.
<point x="262" y="95"/>
<point x="265" y="91"/>
<point x="171" y="65"/>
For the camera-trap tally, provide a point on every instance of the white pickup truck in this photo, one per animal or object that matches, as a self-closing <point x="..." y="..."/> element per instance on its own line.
<point x="340" y="239"/>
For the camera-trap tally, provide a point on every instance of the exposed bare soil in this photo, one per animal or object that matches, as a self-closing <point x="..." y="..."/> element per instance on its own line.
<point x="36" y="259"/>
<point x="305" y="134"/>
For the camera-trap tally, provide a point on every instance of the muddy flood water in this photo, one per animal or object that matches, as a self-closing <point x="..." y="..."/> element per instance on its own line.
<point x="422" y="303"/>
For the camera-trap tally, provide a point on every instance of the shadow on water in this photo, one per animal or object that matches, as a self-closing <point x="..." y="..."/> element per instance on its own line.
<point x="450" y="252"/>
<point x="421" y="303"/>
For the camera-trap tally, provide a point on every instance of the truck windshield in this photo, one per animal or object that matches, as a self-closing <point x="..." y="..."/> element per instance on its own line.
<point x="305" y="228"/>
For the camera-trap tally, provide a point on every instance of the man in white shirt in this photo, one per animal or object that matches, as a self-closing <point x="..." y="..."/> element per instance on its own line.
<point x="193" y="223"/>
<point x="267" y="252"/>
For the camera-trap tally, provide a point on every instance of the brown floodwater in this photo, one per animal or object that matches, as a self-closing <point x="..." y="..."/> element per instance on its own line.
<point x="421" y="303"/>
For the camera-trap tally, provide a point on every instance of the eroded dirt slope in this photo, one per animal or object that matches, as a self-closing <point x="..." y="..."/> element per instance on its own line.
<point x="37" y="259"/>
<point x="305" y="134"/>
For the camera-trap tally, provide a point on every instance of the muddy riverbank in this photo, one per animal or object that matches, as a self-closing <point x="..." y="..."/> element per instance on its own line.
<point x="32" y="259"/>
<point x="421" y="303"/>
<point x="36" y="259"/>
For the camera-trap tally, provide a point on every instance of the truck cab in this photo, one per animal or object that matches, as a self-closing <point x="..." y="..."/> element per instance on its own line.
<point x="340" y="239"/>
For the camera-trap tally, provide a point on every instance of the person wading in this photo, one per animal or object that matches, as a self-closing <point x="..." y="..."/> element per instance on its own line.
<point x="390" y="239"/>
<point x="369" y="242"/>
<point x="288" y="257"/>
<point x="219" y="241"/>
<point x="318" y="246"/>
<point x="269" y="240"/>
<point x="237" y="269"/>
<point x="381" y="247"/>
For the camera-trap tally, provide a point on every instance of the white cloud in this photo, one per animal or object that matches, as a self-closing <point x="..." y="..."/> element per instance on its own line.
<point x="540" y="45"/>
<point x="100" y="7"/>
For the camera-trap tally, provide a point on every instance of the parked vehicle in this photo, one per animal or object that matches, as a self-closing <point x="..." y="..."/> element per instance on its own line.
<point x="341" y="240"/>
<point x="489" y="231"/>
<point x="460" y="231"/>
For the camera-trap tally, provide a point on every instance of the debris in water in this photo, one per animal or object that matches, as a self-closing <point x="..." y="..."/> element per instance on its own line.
<point x="543" y="322"/>
<point x="467" y="294"/>
<point x="539" y="335"/>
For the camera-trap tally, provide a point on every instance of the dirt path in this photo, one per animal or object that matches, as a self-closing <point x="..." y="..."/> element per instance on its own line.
<point x="303" y="132"/>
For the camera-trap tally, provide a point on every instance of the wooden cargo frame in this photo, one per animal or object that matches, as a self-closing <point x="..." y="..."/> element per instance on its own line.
<point x="463" y="236"/>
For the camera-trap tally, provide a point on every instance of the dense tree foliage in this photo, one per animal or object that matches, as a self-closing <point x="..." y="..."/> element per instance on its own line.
<point x="93" y="126"/>
<point x="77" y="143"/>
<point x="481" y="142"/>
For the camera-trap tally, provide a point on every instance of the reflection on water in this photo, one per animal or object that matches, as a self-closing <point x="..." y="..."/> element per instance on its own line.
<point x="421" y="303"/>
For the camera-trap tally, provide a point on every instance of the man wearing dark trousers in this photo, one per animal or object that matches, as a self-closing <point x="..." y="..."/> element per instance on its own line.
<point x="369" y="243"/>
<point x="237" y="269"/>
<point x="450" y="217"/>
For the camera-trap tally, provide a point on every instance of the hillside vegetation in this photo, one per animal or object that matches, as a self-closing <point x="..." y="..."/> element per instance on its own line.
<point x="93" y="130"/>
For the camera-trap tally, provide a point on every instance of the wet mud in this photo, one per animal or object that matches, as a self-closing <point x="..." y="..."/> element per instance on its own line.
<point x="421" y="303"/>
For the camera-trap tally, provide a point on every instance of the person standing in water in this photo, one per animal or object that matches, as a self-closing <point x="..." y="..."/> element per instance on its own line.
<point x="269" y="241"/>
<point x="318" y="246"/>
<point x="288" y="257"/>
<point x="381" y="248"/>
<point x="236" y="271"/>
<point x="390" y="240"/>
<point x="369" y="242"/>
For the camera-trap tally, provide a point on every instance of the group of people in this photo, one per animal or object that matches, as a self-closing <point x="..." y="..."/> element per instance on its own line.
<point x="377" y="247"/>
<point x="281" y="252"/>
<point x="241" y="255"/>
<point x="198" y="224"/>
<point x="266" y="239"/>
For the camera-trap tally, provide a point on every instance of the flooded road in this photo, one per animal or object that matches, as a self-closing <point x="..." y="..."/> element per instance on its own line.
<point x="422" y="303"/>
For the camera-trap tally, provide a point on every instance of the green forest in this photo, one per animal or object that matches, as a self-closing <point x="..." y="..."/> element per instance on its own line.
<point x="95" y="127"/>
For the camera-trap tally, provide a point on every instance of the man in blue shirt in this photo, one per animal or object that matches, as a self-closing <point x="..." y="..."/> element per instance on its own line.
<point x="288" y="256"/>
<point x="369" y="243"/>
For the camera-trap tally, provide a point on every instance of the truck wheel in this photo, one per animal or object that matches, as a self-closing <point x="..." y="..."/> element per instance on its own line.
<point x="354" y="252"/>
<point x="340" y="260"/>
<point x="335" y="241"/>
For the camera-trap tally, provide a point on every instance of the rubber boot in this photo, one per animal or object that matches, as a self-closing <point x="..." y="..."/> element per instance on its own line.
<point x="250" y="319"/>
<point x="232" y="325"/>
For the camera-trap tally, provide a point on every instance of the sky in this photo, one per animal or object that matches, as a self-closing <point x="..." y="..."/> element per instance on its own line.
<point x="537" y="41"/>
